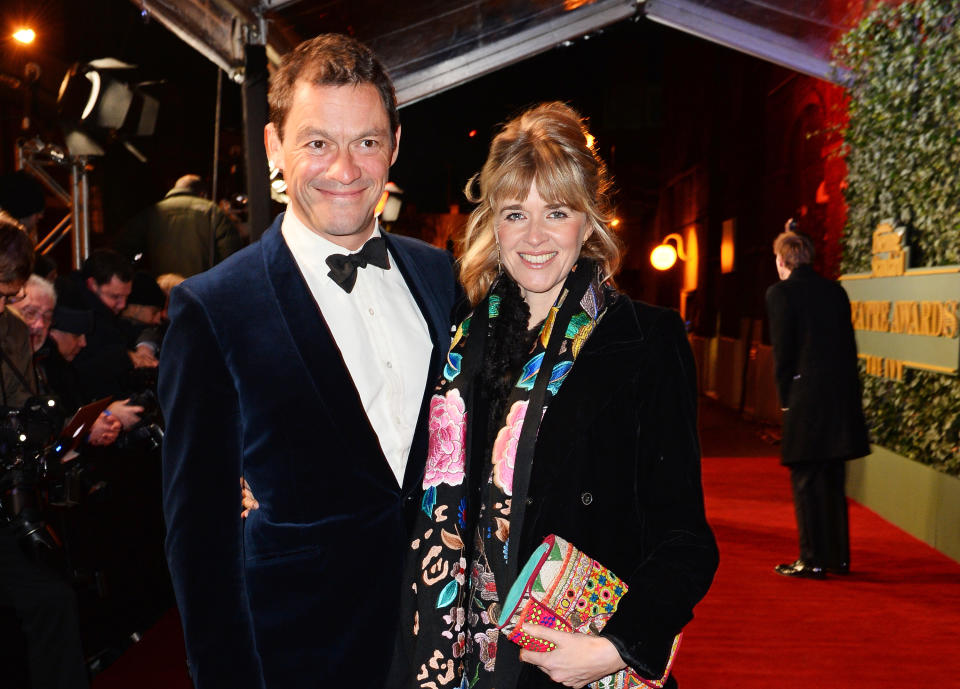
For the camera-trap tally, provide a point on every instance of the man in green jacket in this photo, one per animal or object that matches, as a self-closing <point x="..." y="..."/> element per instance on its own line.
<point x="184" y="233"/>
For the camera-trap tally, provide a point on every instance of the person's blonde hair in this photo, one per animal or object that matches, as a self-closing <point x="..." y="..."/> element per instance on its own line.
<point x="546" y="145"/>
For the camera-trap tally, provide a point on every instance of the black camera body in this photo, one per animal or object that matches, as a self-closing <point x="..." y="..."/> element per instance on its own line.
<point x="148" y="432"/>
<point x="29" y="455"/>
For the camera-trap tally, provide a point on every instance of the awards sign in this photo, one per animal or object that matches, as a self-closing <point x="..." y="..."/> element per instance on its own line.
<point x="904" y="317"/>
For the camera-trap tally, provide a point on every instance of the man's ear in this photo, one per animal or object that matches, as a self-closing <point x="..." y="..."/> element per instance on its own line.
<point x="273" y="145"/>
<point x="91" y="284"/>
<point x="396" y="146"/>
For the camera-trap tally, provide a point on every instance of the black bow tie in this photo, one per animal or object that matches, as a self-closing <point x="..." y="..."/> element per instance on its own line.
<point x="343" y="267"/>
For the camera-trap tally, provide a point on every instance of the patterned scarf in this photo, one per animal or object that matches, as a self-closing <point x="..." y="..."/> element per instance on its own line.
<point x="463" y="555"/>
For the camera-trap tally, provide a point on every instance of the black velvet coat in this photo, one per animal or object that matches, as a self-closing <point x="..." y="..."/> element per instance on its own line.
<point x="815" y="364"/>
<point x="304" y="592"/>
<point x="616" y="472"/>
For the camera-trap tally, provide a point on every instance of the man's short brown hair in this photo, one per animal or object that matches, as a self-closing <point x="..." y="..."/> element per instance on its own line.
<point x="793" y="248"/>
<point x="330" y="60"/>
<point x="16" y="250"/>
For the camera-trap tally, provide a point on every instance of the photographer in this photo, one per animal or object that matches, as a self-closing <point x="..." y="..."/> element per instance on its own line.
<point x="44" y="603"/>
<point x="112" y="353"/>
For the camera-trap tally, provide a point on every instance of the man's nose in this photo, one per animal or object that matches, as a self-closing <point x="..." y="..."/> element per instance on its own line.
<point x="343" y="168"/>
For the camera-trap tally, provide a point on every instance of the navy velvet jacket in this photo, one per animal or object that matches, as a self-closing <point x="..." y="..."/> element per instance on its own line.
<point x="304" y="592"/>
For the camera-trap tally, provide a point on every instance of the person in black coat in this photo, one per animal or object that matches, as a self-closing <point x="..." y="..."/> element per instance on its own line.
<point x="601" y="451"/>
<point x="815" y="362"/>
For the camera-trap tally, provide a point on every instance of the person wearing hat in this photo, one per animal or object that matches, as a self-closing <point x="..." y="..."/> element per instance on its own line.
<point x="67" y="336"/>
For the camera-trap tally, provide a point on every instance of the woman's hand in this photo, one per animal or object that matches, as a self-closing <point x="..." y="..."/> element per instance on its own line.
<point x="246" y="498"/>
<point x="577" y="660"/>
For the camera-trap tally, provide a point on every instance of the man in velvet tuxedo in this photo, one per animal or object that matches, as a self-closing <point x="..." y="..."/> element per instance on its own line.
<point x="302" y="363"/>
<point x="815" y="363"/>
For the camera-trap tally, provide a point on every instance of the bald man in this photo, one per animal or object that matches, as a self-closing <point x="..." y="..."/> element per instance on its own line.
<point x="183" y="233"/>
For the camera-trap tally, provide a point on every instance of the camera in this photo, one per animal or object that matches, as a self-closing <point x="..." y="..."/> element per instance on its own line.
<point x="148" y="432"/>
<point x="29" y="455"/>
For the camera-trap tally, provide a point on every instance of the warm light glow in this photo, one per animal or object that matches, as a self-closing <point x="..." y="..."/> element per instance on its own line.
<point x="727" y="245"/>
<point x="590" y="140"/>
<point x="615" y="222"/>
<point x="690" y="253"/>
<point x="663" y="257"/>
<point x="25" y="35"/>
<point x="473" y="133"/>
<point x="382" y="202"/>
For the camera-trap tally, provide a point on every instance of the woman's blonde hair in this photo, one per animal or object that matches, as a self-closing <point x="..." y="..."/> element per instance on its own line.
<point x="546" y="145"/>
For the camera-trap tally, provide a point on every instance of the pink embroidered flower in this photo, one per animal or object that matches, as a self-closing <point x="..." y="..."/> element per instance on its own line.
<point x="448" y="431"/>
<point x="505" y="447"/>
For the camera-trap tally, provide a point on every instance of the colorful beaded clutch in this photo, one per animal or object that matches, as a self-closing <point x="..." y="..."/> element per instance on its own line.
<point x="562" y="588"/>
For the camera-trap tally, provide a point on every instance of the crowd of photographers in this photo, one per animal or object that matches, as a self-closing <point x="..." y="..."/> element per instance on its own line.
<point x="80" y="435"/>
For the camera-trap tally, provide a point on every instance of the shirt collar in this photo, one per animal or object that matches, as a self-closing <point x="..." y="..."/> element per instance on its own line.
<point x="302" y="239"/>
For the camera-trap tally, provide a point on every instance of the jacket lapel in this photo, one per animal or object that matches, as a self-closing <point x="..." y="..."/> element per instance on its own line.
<point x="319" y="353"/>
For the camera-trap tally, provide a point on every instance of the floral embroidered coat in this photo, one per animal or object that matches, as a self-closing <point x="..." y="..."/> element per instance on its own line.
<point x="617" y="473"/>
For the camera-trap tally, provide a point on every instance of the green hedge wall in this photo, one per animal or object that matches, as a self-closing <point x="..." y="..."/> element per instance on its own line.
<point x="902" y="145"/>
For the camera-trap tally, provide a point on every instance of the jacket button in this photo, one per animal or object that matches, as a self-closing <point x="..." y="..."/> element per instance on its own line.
<point x="529" y="500"/>
<point x="586" y="498"/>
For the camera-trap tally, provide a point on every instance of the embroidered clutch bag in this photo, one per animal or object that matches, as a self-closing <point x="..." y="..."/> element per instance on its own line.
<point x="562" y="588"/>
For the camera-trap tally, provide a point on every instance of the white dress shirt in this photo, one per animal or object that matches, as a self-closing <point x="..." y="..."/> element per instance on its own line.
<point x="381" y="334"/>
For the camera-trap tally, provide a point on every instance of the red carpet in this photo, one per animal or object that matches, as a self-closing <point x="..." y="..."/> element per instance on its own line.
<point x="893" y="622"/>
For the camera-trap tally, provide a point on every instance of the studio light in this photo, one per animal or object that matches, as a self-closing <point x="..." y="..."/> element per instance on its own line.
<point x="94" y="100"/>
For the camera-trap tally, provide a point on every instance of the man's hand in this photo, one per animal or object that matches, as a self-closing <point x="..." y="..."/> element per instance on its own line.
<point x="142" y="357"/>
<point x="246" y="498"/>
<point x="577" y="660"/>
<point x="127" y="414"/>
<point x="105" y="429"/>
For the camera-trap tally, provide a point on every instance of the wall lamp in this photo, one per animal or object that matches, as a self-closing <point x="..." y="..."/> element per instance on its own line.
<point x="664" y="256"/>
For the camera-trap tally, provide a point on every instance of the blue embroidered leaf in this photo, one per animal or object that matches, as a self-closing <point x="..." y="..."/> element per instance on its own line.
<point x="494" y="306"/>
<point x="429" y="500"/>
<point x="560" y="372"/>
<point x="529" y="374"/>
<point x="452" y="369"/>
<point x="448" y="594"/>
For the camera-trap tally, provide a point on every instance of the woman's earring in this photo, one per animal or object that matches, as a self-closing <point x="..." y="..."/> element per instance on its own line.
<point x="496" y="239"/>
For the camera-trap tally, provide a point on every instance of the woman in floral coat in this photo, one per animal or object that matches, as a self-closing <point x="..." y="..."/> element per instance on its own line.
<point x="565" y="408"/>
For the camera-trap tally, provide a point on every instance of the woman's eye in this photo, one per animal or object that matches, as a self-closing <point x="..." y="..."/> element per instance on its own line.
<point x="513" y="216"/>
<point x="558" y="214"/>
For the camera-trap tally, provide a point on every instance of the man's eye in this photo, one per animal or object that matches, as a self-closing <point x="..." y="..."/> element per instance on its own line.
<point x="317" y="145"/>
<point x="368" y="143"/>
